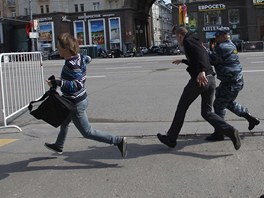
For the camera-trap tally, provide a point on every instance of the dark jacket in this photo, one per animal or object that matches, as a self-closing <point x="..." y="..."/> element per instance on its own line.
<point x="197" y="56"/>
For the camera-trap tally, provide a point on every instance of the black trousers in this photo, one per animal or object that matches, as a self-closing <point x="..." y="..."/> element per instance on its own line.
<point x="190" y="93"/>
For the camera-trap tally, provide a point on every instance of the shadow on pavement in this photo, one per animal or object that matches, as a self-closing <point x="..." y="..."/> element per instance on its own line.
<point x="86" y="159"/>
<point x="24" y="166"/>
<point x="140" y="150"/>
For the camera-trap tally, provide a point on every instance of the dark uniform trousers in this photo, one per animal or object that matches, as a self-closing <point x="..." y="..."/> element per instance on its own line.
<point x="225" y="96"/>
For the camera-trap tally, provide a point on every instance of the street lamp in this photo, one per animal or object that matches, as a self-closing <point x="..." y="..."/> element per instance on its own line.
<point x="32" y="27"/>
<point x="139" y="31"/>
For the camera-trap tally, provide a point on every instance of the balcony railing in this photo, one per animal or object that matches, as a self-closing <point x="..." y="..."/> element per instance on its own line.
<point x="11" y="3"/>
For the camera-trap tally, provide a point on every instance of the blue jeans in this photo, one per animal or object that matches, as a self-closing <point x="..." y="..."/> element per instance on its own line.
<point x="80" y="119"/>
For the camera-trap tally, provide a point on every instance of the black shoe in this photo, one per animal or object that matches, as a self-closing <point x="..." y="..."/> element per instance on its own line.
<point x="122" y="146"/>
<point x="166" y="140"/>
<point x="252" y="121"/>
<point x="53" y="147"/>
<point x="215" y="137"/>
<point x="234" y="136"/>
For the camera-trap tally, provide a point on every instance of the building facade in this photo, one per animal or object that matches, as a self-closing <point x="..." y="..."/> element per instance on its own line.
<point x="162" y="22"/>
<point x="244" y="17"/>
<point x="107" y="24"/>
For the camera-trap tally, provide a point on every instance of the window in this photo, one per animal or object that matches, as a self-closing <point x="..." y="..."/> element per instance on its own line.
<point x="76" y="7"/>
<point x="26" y="11"/>
<point x="114" y="4"/>
<point x="13" y="13"/>
<point x="82" y="7"/>
<point x="47" y="8"/>
<point x="96" y="5"/>
<point x="233" y="16"/>
<point x="212" y="18"/>
<point x="42" y="9"/>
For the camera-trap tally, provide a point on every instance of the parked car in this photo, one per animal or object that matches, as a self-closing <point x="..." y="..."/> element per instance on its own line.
<point x="169" y="50"/>
<point x="114" y="53"/>
<point x="45" y="55"/>
<point x="54" y="55"/>
<point x="103" y="54"/>
<point x="144" y="50"/>
<point x="154" y="49"/>
<point x="129" y="53"/>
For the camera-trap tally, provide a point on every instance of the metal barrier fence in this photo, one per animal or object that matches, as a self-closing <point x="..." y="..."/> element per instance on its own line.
<point x="252" y="46"/>
<point x="21" y="81"/>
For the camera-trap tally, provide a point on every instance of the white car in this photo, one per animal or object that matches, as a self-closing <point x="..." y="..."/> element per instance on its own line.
<point x="144" y="50"/>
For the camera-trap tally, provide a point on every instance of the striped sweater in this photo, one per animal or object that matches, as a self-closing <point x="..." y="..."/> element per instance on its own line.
<point x="73" y="77"/>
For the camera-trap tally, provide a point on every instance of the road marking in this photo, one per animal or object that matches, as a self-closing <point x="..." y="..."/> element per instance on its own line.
<point x="96" y="76"/>
<point x="136" y="63"/>
<point x="254" y="58"/>
<point x="6" y="141"/>
<point x="247" y="71"/>
<point x="258" y="62"/>
<point x="136" y="67"/>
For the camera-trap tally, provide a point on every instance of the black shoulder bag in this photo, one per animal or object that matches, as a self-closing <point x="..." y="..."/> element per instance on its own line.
<point x="54" y="109"/>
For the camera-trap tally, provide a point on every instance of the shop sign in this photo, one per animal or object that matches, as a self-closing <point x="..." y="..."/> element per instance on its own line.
<point x="33" y="35"/>
<point x="209" y="35"/>
<point x="46" y="45"/>
<point x="36" y="24"/>
<point x="210" y="7"/>
<point x="45" y="19"/>
<point x="258" y="2"/>
<point x="108" y="15"/>
<point x="84" y="17"/>
<point x="89" y="16"/>
<point x="210" y="28"/>
<point x="65" y="19"/>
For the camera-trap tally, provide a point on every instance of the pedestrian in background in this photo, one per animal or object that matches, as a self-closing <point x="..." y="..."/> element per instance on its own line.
<point x="72" y="85"/>
<point x="225" y="60"/>
<point x="134" y="51"/>
<point x="202" y="83"/>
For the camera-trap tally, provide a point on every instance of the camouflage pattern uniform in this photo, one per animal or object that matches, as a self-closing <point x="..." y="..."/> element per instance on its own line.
<point x="229" y="71"/>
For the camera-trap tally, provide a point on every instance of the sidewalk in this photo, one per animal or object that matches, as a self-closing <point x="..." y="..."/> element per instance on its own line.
<point x="138" y="129"/>
<point x="194" y="169"/>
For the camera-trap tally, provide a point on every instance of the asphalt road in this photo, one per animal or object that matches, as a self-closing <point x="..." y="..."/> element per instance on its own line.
<point x="119" y="88"/>
<point x="137" y="97"/>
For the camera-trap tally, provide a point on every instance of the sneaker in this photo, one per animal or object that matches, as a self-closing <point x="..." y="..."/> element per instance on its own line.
<point x="53" y="147"/>
<point x="215" y="137"/>
<point x="166" y="140"/>
<point x="122" y="146"/>
<point x="234" y="136"/>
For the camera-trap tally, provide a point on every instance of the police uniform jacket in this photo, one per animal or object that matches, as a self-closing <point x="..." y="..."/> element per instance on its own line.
<point x="226" y="62"/>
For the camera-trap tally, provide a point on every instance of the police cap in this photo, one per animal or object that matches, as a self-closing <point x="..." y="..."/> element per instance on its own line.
<point x="221" y="31"/>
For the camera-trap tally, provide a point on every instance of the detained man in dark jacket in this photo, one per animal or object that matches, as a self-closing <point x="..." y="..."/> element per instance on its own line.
<point x="202" y="83"/>
<point x="225" y="59"/>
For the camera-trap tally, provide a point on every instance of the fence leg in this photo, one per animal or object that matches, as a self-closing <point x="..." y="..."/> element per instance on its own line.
<point x="11" y="126"/>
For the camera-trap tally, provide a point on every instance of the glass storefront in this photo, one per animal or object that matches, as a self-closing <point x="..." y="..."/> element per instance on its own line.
<point x="79" y="32"/>
<point x="212" y="18"/>
<point x="46" y="40"/>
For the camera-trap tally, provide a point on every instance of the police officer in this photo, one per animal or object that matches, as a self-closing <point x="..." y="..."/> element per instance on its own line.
<point x="229" y="71"/>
